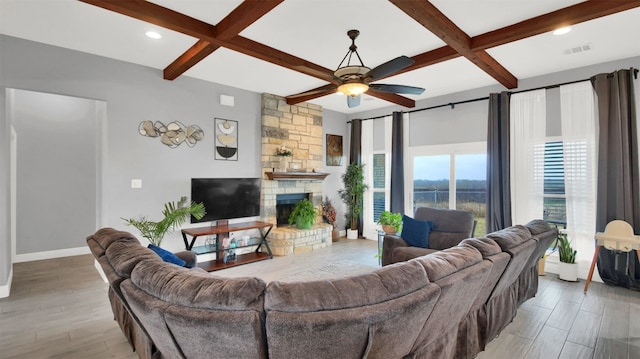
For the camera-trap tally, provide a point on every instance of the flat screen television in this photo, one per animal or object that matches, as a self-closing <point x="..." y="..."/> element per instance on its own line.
<point x="226" y="198"/>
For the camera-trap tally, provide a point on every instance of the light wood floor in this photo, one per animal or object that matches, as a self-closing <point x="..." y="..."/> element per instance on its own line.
<point x="58" y="308"/>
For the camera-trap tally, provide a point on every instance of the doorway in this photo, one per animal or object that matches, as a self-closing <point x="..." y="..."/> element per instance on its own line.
<point x="57" y="172"/>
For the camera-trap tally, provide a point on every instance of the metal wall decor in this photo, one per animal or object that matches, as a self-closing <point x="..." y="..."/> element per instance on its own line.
<point x="173" y="134"/>
<point x="226" y="139"/>
<point x="334" y="150"/>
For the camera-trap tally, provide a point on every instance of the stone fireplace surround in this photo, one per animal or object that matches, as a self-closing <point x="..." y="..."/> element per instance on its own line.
<point x="299" y="129"/>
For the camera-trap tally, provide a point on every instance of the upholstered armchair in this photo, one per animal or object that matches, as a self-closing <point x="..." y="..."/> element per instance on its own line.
<point x="450" y="227"/>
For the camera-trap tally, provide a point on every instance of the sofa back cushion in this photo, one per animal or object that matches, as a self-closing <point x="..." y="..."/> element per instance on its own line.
<point x="450" y="226"/>
<point x="460" y="272"/>
<point x="195" y="314"/>
<point x="499" y="260"/>
<point x="373" y="315"/>
<point x="517" y="242"/>
<point x="124" y="255"/>
<point x="104" y="237"/>
<point x="544" y="234"/>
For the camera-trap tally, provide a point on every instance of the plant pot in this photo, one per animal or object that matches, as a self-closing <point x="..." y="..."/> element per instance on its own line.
<point x="389" y="229"/>
<point x="335" y="235"/>
<point x="302" y="224"/>
<point x="541" y="262"/>
<point x="352" y="234"/>
<point x="568" y="271"/>
<point x="284" y="164"/>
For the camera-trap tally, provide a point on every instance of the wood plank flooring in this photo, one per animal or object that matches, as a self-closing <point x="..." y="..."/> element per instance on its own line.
<point x="58" y="308"/>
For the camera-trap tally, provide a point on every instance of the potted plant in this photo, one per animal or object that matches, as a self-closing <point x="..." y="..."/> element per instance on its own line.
<point x="352" y="195"/>
<point x="175" y="215"/>
<point x="567" y="268"/>
<point x="391" y="222"/>
<point x="303" y="214"/>
<point x="329" y="216"/>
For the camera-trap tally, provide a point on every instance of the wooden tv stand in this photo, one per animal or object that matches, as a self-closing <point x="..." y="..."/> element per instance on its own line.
<point x="225" y="229"/>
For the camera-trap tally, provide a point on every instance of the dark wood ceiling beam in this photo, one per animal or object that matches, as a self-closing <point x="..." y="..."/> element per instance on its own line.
<point x="311" y="94"/>
<point x="167" y="18"/>
<point x="198" y="52"/>
<point x="571" y="15"/>
<point x="159" y="15"/>
<point x="248" y="12"/>
<point x="392" y="97"/>
<point x="436" y="22"/>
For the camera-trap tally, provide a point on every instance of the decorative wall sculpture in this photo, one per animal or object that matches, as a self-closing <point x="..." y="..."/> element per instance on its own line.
<point x="173" y="134"/>
<point x="226" y="139"/>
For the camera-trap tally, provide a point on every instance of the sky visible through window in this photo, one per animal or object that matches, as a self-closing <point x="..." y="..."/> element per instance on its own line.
<point x="434" y="168"/>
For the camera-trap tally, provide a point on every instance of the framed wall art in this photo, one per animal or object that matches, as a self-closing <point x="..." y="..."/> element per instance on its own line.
<point x="334" y="150"/>
<point x="226" y="132"/>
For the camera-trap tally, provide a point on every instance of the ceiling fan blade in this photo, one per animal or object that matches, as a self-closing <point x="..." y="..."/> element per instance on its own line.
<point x="311" y="94"/>
<point x="392" y="97"/>
<point x="353" y="101"/>
<point x="389" y="67"/>
<point x="409" y="90"/>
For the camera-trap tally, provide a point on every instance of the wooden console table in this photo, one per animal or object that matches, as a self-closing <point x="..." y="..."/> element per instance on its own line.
<point x="218" y="230"/>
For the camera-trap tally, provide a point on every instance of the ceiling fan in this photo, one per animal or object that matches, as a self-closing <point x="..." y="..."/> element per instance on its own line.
<point x="354" y="80"/>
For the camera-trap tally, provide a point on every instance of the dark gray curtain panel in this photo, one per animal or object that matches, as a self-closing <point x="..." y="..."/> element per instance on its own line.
<point x="498" y="167"/>
<point x="355" y="154"/>
<point x="397" y="164"/>
<point x="618" y="175"/>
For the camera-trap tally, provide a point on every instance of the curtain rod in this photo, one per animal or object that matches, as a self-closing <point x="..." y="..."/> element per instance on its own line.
<point x="453" y="104"/>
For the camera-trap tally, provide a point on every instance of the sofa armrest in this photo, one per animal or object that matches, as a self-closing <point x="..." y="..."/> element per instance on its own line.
<point x="188" y="256"/>
<point x="389" y="243"/>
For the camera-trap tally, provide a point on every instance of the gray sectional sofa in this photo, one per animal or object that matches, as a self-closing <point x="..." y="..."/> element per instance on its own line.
<point x="447" y="304"/>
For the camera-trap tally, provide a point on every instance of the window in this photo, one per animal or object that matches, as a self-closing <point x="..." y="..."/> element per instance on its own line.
<point x="555" y="208"/>
<point x="450" y="176"/>
<point x="378" y="188"/>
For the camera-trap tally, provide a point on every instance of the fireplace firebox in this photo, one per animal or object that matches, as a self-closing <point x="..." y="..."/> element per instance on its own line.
<point x="285" y="204"/>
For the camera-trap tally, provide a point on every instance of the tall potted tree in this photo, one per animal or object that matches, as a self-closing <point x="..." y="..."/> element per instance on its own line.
<point x="352" y="195"/>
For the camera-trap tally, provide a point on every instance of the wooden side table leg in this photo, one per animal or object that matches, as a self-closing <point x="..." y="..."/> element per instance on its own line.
<point x="593" y="266"/>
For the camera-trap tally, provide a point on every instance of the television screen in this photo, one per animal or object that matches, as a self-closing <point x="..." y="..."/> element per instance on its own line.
<point x="226" y="198"/>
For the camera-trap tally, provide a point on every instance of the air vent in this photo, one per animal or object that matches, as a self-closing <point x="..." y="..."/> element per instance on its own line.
<point x="578" y="49"/>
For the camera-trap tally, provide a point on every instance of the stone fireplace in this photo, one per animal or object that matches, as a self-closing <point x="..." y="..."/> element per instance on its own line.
<point x="299" y="129"/>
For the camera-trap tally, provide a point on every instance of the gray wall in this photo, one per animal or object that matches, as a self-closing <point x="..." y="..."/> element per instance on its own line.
<point x="135" y="93"/>
<point x="467" y="122"/>
<point x="334" y="123"/>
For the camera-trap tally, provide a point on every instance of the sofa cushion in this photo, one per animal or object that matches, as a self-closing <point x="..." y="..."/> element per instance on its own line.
<point x="446" y="262"/>
<point x="510" y="237"/>
<point x="416" y="232"/>
<point x="403" y="254"/>
<point x="167" y="256"/>
<point x="125" y="255"/>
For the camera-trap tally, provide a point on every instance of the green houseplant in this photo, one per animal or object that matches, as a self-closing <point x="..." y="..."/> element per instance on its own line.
<point x="391" y="222"/>
<point x="175" y="214"/>
<point x="567" y="268"/>
<point x="303" y="214"/>
<point x="352" y="195"/>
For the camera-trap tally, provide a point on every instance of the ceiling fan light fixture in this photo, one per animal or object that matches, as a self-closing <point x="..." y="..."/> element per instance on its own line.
<point x="353" y="88"/>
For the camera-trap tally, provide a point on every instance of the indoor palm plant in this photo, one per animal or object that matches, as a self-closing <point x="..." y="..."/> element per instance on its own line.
<point x="352" y="195"/>
<point x="391" y="222"/>
<point x="303" y="214"/>
<point x="175" y="214"/>
<point x="567" y="268"/>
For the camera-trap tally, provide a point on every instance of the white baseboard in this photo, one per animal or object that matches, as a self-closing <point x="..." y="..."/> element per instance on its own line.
<point x="5" y="290"/>
<point x="58" y="253"/>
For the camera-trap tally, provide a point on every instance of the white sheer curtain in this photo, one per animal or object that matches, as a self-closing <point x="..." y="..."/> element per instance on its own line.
<point x="528" y="132"/>
<point x="579" y="138"/>
<point x="366" y="146"/>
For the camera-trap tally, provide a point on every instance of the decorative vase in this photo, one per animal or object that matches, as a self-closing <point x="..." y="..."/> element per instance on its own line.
<point x="568" y="271"/>
<point x="335" y="235"/>
<point x="389" y="229"/>
<point x="352" y="234"/>
<point x="284" y="164"/>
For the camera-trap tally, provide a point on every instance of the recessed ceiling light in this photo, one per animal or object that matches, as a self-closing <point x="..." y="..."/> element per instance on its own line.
<point x="153" y="35"/>
<point x="562" y="30"/>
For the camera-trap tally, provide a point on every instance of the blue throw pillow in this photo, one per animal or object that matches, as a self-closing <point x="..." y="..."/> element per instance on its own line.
<point x="416" y="232"/>
<point x="167" y="256"/>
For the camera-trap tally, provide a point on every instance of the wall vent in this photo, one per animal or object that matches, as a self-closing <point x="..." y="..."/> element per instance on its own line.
<point x="578" y="49"/>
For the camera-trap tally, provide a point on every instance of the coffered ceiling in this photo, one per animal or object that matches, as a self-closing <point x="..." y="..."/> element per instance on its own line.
<point x="292" y="46"/>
